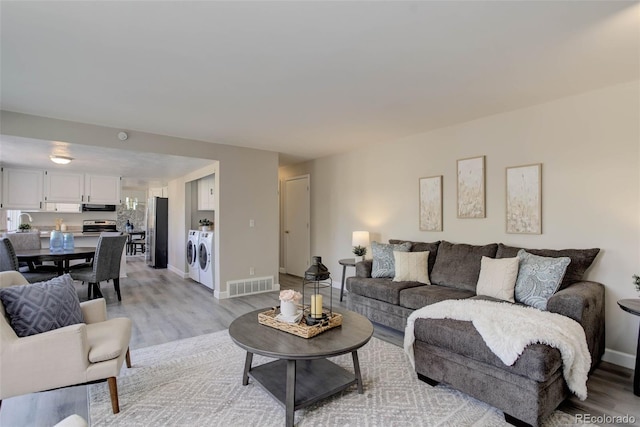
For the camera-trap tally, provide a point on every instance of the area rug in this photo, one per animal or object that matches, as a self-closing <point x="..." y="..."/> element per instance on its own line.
<point x="198" y="382"/>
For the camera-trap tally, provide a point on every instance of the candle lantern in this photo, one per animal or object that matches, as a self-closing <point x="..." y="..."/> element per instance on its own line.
<point x="316" y="277"/>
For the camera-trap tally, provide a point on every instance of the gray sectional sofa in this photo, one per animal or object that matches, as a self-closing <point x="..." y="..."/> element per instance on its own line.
<point x="452" y="351"/>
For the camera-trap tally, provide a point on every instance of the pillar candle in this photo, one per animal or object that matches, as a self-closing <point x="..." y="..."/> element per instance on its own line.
<point x="316" y="305"/>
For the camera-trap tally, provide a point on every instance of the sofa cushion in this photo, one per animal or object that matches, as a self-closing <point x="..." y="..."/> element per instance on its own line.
<point x="381" y="289"/>
<point x="432" y="248"/>
<point x="418" y="297"/>
<point x="411" y="267"/>
<point x="458" y="265"/>
<point x="539" y="278"/>
<point x="383" y="261"/>
<point x="581" y="260"/>
<point x="42" y="306"/>
<point x="538" y="362"/>
<point x="498" y="278"/>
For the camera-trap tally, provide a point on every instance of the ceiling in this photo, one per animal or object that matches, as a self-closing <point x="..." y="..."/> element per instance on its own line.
<point x="306" y="79"/>
<point x="137" y="169"/>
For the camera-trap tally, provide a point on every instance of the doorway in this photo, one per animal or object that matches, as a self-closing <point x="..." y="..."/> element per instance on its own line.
<point x="297" y="225"/>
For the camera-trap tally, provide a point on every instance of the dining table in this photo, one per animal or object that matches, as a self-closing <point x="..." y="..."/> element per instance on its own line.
<point x="60" y="257"/>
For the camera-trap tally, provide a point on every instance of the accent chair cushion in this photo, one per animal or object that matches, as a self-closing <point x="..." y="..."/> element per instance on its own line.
<point x="458" y="265"/>
<point x="42" y="306"/>
<point x="411" y="267"/>
<point x="539" y="278"/>
<point x="383" y="261"/>
<point x="498" y="278"/>
<point x="581" y="260"/>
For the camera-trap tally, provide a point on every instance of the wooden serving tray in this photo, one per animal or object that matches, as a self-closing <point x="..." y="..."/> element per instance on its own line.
<point x="301" y="328"/>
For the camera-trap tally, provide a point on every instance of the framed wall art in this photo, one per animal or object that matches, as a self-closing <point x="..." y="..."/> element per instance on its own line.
<point x="431" y="203"/>
<point x="471" y="188"/>
<point x="524" y="199"/>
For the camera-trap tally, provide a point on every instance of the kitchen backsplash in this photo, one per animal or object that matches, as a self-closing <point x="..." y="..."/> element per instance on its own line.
<point x="135" y="216"/>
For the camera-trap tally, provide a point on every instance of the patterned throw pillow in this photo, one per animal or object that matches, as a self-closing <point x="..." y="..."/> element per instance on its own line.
<point x="411" y="267"/>
<point x="43" y="306"/>
<point x="498" y="278"/>
<point x="383" y="261"/>
<point x="539" y="278"/>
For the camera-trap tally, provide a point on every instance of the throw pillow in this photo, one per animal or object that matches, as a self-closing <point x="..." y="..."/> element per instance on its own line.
<point x="539" y="278"/>
<point x="498" y="278"/>
<point x="458" y="264"/>
<point x="422" y="247"/>
<point x="581" y="260"/>
<point x="43" y="306"/>
<point x="383" y="261"/>
<point x="411" y="267"/>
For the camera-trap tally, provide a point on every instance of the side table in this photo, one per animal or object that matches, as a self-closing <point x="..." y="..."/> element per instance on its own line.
<point x="633" y="306"/>
<point x="347" y="262"/>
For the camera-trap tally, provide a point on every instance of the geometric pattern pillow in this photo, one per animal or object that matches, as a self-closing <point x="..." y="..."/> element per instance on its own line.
<point x="538" y="278"/>
<point x="383" y="261"/>
<point x="43" y="306"/>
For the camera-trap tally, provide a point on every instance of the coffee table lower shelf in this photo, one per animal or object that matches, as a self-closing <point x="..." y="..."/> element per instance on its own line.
<point x="315" y="380"/>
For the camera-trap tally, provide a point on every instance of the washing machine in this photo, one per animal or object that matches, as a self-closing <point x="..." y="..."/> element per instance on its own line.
<point x="206" y="262"/>
<point x="192" y="254"/>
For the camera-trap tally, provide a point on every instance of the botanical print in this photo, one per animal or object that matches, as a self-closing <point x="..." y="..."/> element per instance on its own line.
<point x="471" y="188"/>
<point x="431" y="203"/>
<point x="524" y="213"/>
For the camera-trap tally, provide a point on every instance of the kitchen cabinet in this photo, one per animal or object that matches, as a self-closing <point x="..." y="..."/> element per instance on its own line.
<point x="102" y="189"/>
<point x="206" y="200"/>
<point x="22" y="189"/>
<point x="63" y="187"/>
<point x="63" y="207"/>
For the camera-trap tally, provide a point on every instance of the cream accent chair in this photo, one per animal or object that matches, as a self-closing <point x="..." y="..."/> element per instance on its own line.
<point x="73" y="355"/>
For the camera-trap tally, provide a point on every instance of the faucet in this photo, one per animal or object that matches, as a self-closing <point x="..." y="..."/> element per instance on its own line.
<point x="28" y="216"/>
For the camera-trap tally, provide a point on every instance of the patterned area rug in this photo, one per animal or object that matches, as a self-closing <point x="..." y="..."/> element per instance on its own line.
<point x="197" y="382"/>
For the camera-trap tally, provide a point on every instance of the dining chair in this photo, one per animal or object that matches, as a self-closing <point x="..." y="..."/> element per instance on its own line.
<point x="139" y="243"/>
<point x="70" y="354"/>
<point x="9" y="262"/>
<point x="27" y="241"/>
<point x="106" y="265"/>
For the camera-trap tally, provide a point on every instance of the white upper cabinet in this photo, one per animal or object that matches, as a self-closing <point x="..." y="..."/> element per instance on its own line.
<point x="206" y="194"/>
<point x="22" y="189"/>
<point x="101" y="189"/>
<point x="63" y="187"/>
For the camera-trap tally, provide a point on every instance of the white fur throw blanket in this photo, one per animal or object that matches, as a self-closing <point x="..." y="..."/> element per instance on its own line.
<point x="507" y="329"/>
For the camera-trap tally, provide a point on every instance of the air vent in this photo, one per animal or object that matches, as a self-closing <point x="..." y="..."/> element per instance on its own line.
<point x="254" y="285"/>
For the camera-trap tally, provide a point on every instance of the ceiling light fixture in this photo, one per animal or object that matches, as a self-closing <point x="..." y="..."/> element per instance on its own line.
<point x="61" y="160"/>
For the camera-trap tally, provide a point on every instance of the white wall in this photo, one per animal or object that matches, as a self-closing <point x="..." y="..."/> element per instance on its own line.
<point x="246" y="184"/>
<point x="589" y="146"/>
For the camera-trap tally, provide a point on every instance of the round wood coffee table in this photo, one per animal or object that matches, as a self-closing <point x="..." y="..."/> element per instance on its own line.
<point x="302" y="375"/>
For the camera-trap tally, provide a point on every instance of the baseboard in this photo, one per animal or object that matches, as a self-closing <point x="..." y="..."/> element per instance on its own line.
<point x="175" y="270"/>
<point x="619" y="358"/>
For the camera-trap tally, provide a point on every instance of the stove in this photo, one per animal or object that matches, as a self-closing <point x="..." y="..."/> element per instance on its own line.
<point x="98" y="225"/>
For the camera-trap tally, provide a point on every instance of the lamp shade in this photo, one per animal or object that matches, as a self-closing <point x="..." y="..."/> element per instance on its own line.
<point x="360" y="238"/>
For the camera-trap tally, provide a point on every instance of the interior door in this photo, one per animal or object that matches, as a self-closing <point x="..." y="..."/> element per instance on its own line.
<point x="297" y="223"/>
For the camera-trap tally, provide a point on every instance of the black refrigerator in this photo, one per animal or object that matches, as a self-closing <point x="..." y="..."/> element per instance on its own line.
<point x="157" y="232"/>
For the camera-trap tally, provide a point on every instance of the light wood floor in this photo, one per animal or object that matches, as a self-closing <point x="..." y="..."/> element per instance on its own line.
<point x="164" y="307"/>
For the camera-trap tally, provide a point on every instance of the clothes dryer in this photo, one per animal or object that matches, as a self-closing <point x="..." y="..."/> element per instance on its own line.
<point x="206" y="261"/>
<point x="193" y="242"/>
